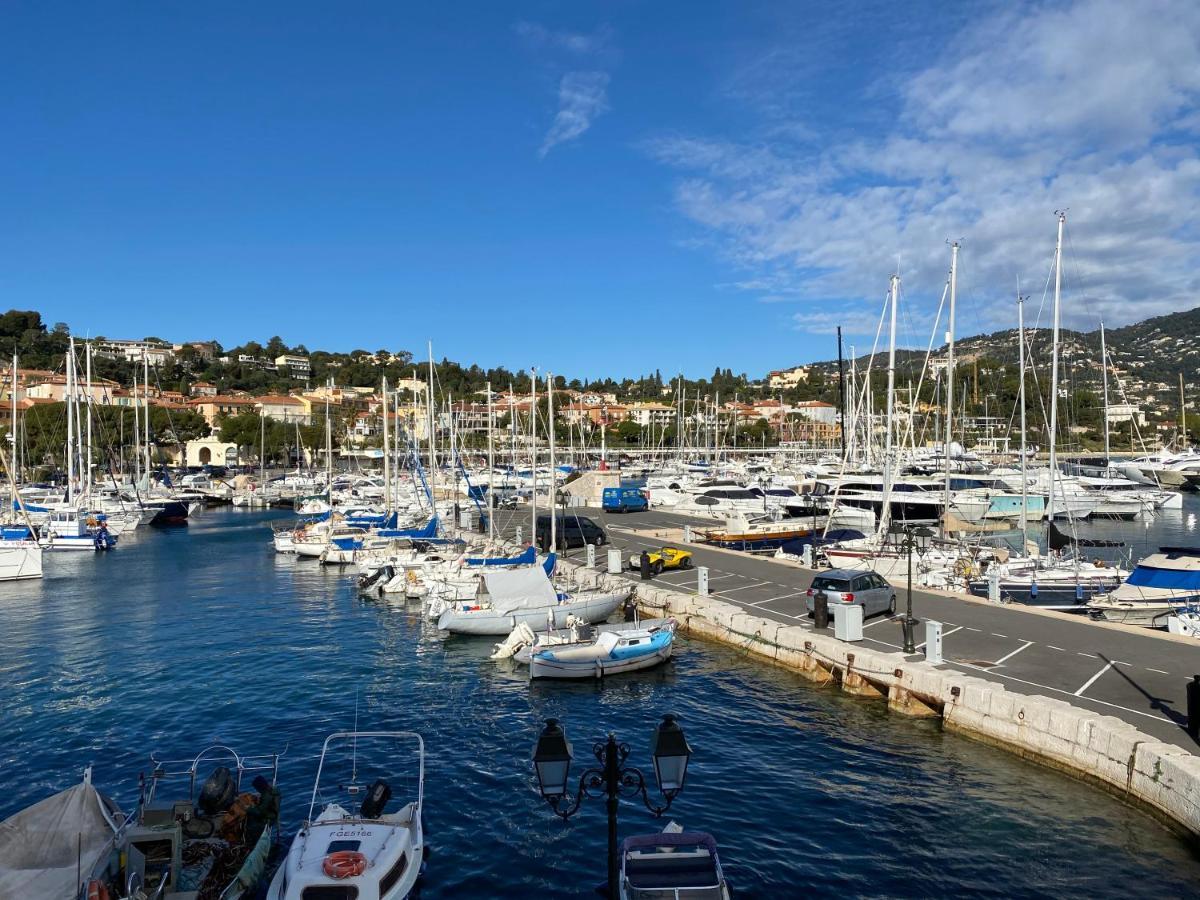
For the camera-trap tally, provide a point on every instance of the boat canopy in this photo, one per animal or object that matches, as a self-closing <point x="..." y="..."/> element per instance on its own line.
<point x="528" y="558"/>
<point x="1169" y="579"/>
<point x="45" y="848"/>
<point x="516" y="589"/>
<point x="428" y="530"/>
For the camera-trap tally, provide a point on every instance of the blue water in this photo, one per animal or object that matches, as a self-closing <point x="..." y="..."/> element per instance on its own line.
<point x="184" y="637"/>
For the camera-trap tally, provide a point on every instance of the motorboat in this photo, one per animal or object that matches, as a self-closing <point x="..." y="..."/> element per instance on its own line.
<point x="68" y="528"/>
<point x="20" y="553"/>
<point x="46" y="848"/>
<point x="1160" y="586"/>
<point x="672" y="865"/>
<point x="506" y="597"/>
<point x="189" y="838"/>
<point x="361" y="844"/>
<point x="607" y="652"/>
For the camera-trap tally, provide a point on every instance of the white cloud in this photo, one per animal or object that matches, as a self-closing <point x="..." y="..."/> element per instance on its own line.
<point x="538" y="35"/>
<point x="1090" y="105"/>
<point x="582" y="96"/>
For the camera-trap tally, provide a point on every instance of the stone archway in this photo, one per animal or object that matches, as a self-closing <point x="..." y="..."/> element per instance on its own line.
<point x="205" y="456"/>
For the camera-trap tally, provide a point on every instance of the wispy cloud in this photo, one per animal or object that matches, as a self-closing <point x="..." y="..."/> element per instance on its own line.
<point x="582" y="96"/>
<point x="537" y="35"/>
<point x="1092" y="105"/>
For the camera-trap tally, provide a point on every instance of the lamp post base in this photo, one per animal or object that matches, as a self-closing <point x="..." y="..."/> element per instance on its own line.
<point x="909" y="626"/>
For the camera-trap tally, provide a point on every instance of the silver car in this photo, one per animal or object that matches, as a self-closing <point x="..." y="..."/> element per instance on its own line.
<point x="853" y="587"/>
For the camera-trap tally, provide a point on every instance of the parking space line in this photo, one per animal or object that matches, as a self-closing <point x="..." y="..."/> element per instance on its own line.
<point x="969" y="628"/>
<point x="1159" y="671"/>
<point x="997" y="634"/>
<point x="884" y="619"/>
<point x="1088" y="655"/>
<point x="1059" y="649"/>
<point x="1009" y="656"/>
<point x="744" y="587"/>
<point x="1087" y="684"/>
<point x="945" y="634"/>
<point x="772" y="599"/>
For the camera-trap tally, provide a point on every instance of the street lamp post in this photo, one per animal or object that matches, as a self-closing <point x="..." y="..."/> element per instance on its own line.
<point x="909" y="538"/>
<point x="611" y="778"/>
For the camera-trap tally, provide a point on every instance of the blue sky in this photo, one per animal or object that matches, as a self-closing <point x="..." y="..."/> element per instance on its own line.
<point x="592" y="188"/>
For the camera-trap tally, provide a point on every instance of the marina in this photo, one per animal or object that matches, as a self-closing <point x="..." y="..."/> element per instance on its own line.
<point x="297" y="643"/>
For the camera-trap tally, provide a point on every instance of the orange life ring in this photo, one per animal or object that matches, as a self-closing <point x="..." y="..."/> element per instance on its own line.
<point x="344" y="864"/>
<point x="97" y="890"/>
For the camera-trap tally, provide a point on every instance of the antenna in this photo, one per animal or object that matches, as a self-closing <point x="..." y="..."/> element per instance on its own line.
<point x="354" y="747"/>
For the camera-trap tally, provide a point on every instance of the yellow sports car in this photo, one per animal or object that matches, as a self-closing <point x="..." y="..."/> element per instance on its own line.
<point x="663" y="558"/>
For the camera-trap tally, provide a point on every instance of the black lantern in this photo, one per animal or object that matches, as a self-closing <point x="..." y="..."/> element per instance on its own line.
<point x="671" y="752"/>
<point x="552" y="760"/>
<point x="923" y="536"/>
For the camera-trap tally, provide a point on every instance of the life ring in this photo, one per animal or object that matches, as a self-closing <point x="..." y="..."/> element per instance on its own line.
<point x="343" y="864"/>
<point x="97" y="890"/>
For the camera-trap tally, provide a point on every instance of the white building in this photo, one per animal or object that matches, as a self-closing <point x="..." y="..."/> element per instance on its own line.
<point x="1119" y="413"/>
<point x="296" y="366"/>
<point x="154" y="352"/>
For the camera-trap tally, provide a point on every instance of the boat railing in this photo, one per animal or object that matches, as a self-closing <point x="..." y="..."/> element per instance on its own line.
<point x="217" y="753"/>
<point x="354" y="737"/>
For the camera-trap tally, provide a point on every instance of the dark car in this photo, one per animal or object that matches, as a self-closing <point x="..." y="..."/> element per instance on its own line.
<point x="570" y="531"/>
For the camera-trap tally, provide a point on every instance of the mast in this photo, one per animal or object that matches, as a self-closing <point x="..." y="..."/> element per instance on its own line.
<point x="841" y="395"/>
<point x="387" y="458"/>
<point x="553" y="471"/>
<point x="1062" y="218"/>
<point x="262" y="450"/>
<point x="88" y="363"/>
<point x="950" y="375"/>
<point x="886" y="510"/>
<point x="146" y="410"/>
<point x="533" y="458"/>
<point x="432" y="448"/>
<point x="1104" y="369"/>
<point x="491" y="463"/>
<point x="70" y="422"/>
<point x="328" y="442"/>
<point x="1184" y="442"/>
<point x="13" y="403"/>
<point x="137" y="430"/>
<point x="1024" y="457"/>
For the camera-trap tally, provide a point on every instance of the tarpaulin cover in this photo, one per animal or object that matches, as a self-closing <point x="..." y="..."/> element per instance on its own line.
<point x="43" y="849"/>
<point x="514" y="589"/>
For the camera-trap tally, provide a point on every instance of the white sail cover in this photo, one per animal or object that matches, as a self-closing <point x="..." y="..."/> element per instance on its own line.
<point x="47" y="849"/>
<point x="514" y="589"/>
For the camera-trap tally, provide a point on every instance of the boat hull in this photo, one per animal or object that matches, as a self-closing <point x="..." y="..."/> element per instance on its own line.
<point x="541" y="666"/>
<point x="20" y="561"/>
<point x="487" y="622"/>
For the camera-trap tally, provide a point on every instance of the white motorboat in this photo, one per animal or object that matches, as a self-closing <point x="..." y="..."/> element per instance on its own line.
<point x="355" y="847"/>
<point x="508" y="597"/>
<point x="1160" y="586"/>
<point x="607" y="652"/>
<point x="20" y="553"/>
<point x="672" y="865"/>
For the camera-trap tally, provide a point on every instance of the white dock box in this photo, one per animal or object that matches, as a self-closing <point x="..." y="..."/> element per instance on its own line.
<point x="848" y="622"/>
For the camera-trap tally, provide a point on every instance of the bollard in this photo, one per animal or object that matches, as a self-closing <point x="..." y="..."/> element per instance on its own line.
<point x="702" y="580"/>
<point x="820" y="610"/>
<point x="933" y="643"/>
<point x="591" y="556"/>
<point x="687" y="534"/>
<point x="644" y="565"/>
<point x="1193" y="707"/>
<point x="806" y="556"/>
<point x="994" y="585"/>
<point x="614" y="562"/>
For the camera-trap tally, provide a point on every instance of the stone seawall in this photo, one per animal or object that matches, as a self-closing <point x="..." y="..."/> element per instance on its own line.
<point x="1101" y="749"/>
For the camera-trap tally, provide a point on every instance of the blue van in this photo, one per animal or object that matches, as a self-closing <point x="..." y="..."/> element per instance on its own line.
<point x="624" y="499"/>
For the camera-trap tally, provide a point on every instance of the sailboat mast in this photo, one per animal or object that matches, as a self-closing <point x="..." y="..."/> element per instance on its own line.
<point x="950" y="375"/>
<point x="146" y="409"/>
<point x="387" y="457"/>
<point x="1104" y="370"/>
<point x="432" y="448"/>
<point x="533" y="458"/>
<point x="491" y="464"/>
<point x="328" y="442"/>
<point x="13" y="403"/>
<point x="1024" y="456"/>
<point x="553" y="471"/>
<point x="886" y="511"/>
<point x="1184" y="443"/>
<point x="70" y="422"/>
<point x="1062" y="218"/>
<point x="88" y="363"/>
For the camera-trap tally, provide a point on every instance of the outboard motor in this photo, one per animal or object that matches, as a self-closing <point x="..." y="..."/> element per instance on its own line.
<point x="379" y="792"/>
<point x="218" y="792"/>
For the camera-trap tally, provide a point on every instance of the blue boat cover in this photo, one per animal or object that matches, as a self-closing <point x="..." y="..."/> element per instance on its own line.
<point x="1169" y="579"/>
<point x="657" y="641"/>
<point x="528" y="558"/>
<point x="29" y="506"/>
<point x="428" y="530"/>
<point x="548" y="565"/>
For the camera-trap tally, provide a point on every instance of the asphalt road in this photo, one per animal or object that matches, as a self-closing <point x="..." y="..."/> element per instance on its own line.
<point x="1133" y="674"/>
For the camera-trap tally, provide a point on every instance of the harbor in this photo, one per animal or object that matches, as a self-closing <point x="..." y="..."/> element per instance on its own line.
<point x="169" y="655"/>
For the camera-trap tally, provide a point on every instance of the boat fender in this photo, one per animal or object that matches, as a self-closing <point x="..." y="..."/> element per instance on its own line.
<point x="97" y="890"/>
<point x="344" y="864"/>
<point x="379" y="792"/>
